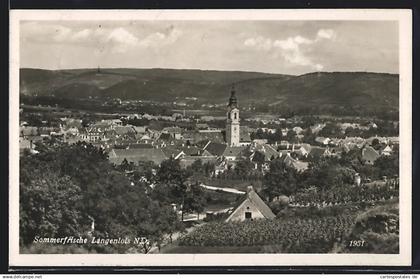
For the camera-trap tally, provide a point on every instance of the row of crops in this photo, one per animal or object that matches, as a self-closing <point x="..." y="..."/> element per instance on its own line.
<point x="291" y="235"/>
<point x="342" y="195"/>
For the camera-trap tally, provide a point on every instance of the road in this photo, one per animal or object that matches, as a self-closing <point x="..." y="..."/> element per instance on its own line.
<point x="227" y="190"/>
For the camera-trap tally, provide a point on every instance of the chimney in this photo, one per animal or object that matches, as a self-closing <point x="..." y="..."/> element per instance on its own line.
<point x="249" y="189"/>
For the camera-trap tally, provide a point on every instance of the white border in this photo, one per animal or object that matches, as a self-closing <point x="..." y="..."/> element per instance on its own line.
<point x="405" y="57"/>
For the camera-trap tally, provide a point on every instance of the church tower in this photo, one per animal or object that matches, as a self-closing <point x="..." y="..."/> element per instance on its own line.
<point x="232" y="121"/>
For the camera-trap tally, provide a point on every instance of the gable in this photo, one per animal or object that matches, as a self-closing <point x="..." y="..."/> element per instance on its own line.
<point x="246" y="206"/>
<point x="254" y="204"/>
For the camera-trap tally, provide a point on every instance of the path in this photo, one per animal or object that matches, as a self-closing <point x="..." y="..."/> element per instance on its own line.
<point x="227" y="190"/>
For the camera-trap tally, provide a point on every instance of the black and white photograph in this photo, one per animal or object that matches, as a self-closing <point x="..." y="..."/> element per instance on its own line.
<point x="174" y="138"/>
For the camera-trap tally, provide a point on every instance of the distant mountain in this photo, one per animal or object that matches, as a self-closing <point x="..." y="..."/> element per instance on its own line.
<point x="356" y="89"/>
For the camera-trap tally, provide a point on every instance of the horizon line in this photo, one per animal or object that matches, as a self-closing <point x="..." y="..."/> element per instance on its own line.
<point x="209" y="70"/>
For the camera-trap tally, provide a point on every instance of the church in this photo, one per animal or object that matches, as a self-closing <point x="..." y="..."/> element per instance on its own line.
<point x="234" y="137"/>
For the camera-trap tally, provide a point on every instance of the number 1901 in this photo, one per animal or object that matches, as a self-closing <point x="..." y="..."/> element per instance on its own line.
<point x="357" y="243"/>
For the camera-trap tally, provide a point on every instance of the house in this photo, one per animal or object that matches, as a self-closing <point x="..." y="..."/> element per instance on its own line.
<point x="317" y="127"/>
<point x="140" y="129"/>
<point x="145" y="139"/>
<point x="386" y="151"/>
<point x="174" y="132"/>
<point x="28" y="132"/>
<point x="244" y="137"/>
<point x="369" y="155"/>
<point x="202" y="126"/>
<point x="267" y="150"/>
<point x="215" y="148"/>
<point x="214" y="135"/>
<point x="72" y="123"/>
<point x="220" y="167"/>
<point x="92" y="134"/>
<point x="233" y="153"/>
<point x="317" y="152"/>
<point x="297" y="129"/>
<point x="191" y="150"/>
<point x="284" y="132"/>
<point x="322" y="140"/>
<point x="112" y="122"/>
<point x="296" y="164"/>
<point x="155" y="155"/>
<point x="304" y="150"/>
<point x="173" y="152"/>
<point x="252" y="207"/>
<point x="187" y="161"/>
<point x="259" y="141"/>
<point x="120" y="131"/>
<point x="27" y="144"/>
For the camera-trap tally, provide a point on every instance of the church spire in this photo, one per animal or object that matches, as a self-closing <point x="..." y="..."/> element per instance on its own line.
<point x="232" y="100"/>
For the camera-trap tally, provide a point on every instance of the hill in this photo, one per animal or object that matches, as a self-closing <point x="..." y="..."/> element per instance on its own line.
<point x="358" y="90"/>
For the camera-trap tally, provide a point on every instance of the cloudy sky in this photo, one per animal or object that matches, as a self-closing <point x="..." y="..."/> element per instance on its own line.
<point x="288" y="47"/>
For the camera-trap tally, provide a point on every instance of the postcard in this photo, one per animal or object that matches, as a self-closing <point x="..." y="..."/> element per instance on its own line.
<point x="210" y="137"/>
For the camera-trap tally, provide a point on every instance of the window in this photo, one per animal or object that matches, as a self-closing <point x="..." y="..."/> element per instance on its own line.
<point x="235" y="115"/>
<point x="248" y="215"/>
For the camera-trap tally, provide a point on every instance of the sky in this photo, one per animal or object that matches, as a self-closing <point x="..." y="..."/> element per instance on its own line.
<point x="284" y="47"/>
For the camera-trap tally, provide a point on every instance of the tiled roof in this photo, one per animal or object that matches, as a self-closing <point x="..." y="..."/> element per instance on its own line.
<point x="317" y="151"/>
<point x="233" y="150"/>
<point x="28" y="131"/>
<point x="122" y="130"/>
<point x="140" y="130"/>
<point x="255" y="199"/>
<point x="370" y="154"/>
<point x="171" y="151"/>
<point x="215" y="148"/>
<point x="189" y="160"/>
<point x="155" y="155"/>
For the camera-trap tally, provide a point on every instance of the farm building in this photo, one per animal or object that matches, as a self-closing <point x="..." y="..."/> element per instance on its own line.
<point x="251" y="208"/>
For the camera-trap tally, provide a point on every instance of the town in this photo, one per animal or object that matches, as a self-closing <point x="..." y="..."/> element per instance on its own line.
<point x="231" y="164"/>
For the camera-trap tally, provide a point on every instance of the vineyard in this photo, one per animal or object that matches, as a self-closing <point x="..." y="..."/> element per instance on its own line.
<point x="344" y="195"/>
<point x="291" y="235"/>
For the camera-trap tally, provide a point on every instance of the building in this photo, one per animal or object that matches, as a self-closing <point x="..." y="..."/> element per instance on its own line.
<point x="387" y="151"/>
<point x="369" y="155"/>
<point x="233" y="153"/>
<point x="155" y="155"/>
<point x="251" y="208"/>
<point x="232" y="121"/>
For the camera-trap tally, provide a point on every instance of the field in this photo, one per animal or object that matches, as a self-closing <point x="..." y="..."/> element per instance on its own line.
<point x="310" y="230"/>
<point x="289" y="235"/>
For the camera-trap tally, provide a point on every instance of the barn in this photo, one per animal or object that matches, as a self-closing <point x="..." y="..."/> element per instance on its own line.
<point x="252" y="207"/>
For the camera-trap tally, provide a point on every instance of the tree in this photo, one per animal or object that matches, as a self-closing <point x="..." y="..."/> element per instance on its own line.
<point x="388" y="165"/>
<point x="197" y="166"/>
<point x="63" y="189"/>
<point x="291" y="136"/>
<point x="308" y="136"/>
<point x="327" y="173"/>
<point x="330" y="130"/>
<point x="258" y="158"/>
<point x="243" y="168"/>
<point x="173" y="178"/>
<point x="375" y="143"/>
<point x="195" y="200"/>
<point x="279" y="180"/>
<point x="49" y="205"/>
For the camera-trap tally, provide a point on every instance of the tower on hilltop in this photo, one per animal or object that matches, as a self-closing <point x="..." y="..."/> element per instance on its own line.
<point x="232" y="121"/>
